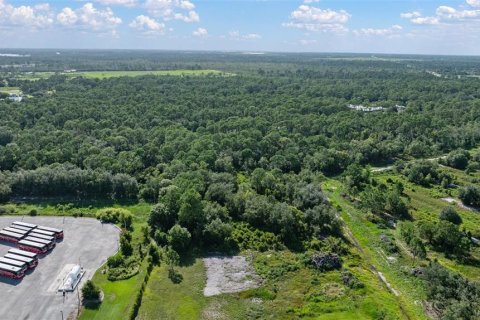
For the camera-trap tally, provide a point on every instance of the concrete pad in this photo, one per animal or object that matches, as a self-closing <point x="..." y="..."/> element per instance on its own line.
<point x="87" y="242"/>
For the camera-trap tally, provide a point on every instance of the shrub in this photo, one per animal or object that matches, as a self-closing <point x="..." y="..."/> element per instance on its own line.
<point x="458" y="159"/>
<point x="161" y="217"/>
<point x="451" y="215"/>
<point x="388" y="244"/>
<point x="154" y="254"/>
<point x="33" y="212"/>
<point x="90" y="291"/>
<point x="351" y="281"/>
<point x="122" y="268"/>
<point x="247" y="237"/>
<point x="326" y="262"/>
<point x="115" y="260"/>
<point x="125" y="244"/>
<point x="454" y="296"/>
<point x="123" y="273"/>
<point x="5" y="192"/>
<point x="179" y="238"/>
<point x="217" y="232"/>
<point x="470" y="196"/>
<point x="161" y="238"/>
<point x="115" y="215"/>
<point x="175" y="276"/>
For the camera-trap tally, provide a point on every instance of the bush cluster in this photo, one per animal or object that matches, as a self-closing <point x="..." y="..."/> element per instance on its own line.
<point x="326" y="262"/>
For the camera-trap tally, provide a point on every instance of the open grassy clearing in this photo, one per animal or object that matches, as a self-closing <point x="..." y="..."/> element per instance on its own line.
<point x="302" y="293"/>
<point x="396" y="270"/>
<point x="113" y="74"/>
<point x="165" y="300"/>
<point x="118" y="297"/>
<point x="309" y="294"/>
<point x="10" y="90"/>
<point x="116" y="74"/>
<point x="427" y="203"/>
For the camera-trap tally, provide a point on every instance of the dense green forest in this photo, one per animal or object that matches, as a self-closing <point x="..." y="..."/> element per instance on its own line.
<point x="236" y="160"/>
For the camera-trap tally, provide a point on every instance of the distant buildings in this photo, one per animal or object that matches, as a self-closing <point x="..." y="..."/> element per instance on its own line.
<point x="362" y="108"/>
<point x="15" y="97"/>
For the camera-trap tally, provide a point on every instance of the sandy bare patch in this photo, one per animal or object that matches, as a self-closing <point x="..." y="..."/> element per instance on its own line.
<point x="459" y="203"/>
<point x="229" y="274"/>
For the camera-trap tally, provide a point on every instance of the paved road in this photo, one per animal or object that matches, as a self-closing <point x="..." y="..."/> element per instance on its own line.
<point x="35" y="297"/>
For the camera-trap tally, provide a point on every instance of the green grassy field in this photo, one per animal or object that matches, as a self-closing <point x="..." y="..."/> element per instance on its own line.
<point x="112" y="74"/>
<point x="410" y="292"/>
<point x="116" y="74"/>
<point x="118" y="297"/>
<point x="10" y="90"/>
<point x="309" y="294"/>
<point x="165" y="300"/>
<point x="427" y="203"/>
<point x="303" y="293"/>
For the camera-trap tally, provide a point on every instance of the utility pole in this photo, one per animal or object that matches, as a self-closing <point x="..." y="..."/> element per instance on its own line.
<point x="61" y="312"/>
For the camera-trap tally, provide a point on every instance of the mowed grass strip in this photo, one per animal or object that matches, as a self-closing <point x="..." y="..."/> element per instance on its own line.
<point x="163" y="299"/>
<point x="118" y="297"/>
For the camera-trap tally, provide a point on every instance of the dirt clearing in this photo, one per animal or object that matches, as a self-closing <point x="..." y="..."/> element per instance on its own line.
<point x="229" y="274"/>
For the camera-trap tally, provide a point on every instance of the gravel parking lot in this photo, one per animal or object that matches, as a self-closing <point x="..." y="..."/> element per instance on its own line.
<point x="87" y="242"/>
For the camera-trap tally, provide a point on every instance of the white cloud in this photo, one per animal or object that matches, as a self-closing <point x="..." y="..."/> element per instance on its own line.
<point x="474" y="3"/>
<point x="67" y="17"/>
<point x="35" y="17"/>
<point x="200" y="32"/>
<point x="310" y="1"/>
<point x="191" y="16"/>
<point x="124" y="3"/>
<point x="42" y="7"/>
<point x="89" y="18"/>
<point x="445" y="15"/>
<point x="147" y="25"/>
<point x="449" y="13"/>
<point x="187" y="5"/>
<point x="425" y="20"/>
<point x="316" y="19"/>
<point x="410" y="15"/>
<point x="182" y="10"/>
<point x="236" y="35"/>
<point x="395" y="29"/>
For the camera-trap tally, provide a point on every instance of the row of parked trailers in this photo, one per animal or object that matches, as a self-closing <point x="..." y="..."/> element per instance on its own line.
<point x="31" y="240"/>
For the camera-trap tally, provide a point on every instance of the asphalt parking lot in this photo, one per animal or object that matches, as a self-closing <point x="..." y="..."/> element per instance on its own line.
<point x="87" y="242"/>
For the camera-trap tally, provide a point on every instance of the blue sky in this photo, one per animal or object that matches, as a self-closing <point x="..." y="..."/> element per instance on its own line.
<point x="387" y="26"/>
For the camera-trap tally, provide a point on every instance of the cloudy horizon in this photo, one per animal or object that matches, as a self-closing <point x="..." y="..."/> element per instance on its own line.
<point x="408" y="27"/>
